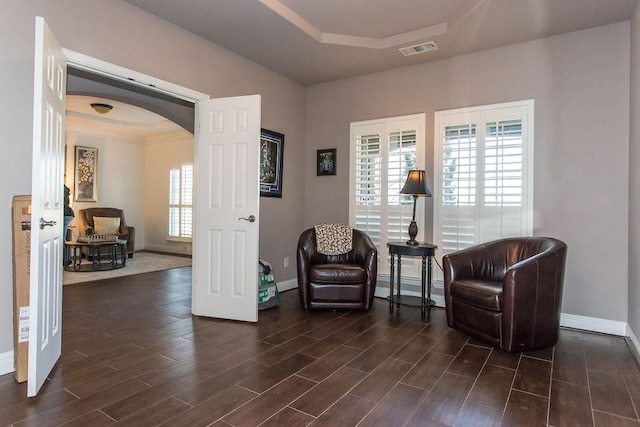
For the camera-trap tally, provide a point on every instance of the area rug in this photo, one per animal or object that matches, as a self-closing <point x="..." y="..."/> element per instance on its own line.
<point x="142" y="262"/>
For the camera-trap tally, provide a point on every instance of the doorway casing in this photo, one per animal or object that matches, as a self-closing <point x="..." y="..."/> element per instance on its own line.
<point x="116" y="72"/>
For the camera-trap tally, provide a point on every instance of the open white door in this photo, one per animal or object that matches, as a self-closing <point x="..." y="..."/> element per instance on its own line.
<point x="45" y="324"/>
<point x="225" y="265"/>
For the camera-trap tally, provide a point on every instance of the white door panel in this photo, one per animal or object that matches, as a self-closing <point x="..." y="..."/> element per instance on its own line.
<point x="225" y="265"/>
<point x="45" y="294"/>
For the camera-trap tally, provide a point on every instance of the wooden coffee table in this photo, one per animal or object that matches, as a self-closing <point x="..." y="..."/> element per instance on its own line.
<point x="104" y="255"/>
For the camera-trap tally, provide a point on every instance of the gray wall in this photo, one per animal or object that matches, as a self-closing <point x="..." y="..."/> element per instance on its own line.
<point x="634" y="178"/>
<point x="118" y="33"/>
<point x="580" y="83"/>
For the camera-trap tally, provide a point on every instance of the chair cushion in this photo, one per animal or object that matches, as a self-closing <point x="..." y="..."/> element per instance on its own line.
<point x="337" y="273"/>
<point x="106" y="225"/>
<point x="480" y="293"/>
<point x="336" y="294"/>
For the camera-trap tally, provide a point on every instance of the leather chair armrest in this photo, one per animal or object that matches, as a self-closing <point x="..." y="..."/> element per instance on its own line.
<point x="530" y="285"/>
<point x="546" y="267"/>
<point x="304" y="255"/>
<point x="521" y="295"/>
<point x="521" y="284"/>
<point x="366" y="254"/>
<point x="363" y="250"/>
<point x="303" y="265"/>
<point x="458" y="265"/>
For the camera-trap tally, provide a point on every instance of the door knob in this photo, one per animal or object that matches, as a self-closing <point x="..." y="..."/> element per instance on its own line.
<point x="44" y="223"/>
<point x="251" y="218"/>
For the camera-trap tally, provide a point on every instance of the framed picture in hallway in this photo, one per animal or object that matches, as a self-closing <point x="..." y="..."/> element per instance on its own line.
<point x="86" y="174"/>
<point x="271" y="160"/>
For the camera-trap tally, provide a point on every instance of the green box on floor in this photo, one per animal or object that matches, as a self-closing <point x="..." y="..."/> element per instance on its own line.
<point x="268" y="295"/>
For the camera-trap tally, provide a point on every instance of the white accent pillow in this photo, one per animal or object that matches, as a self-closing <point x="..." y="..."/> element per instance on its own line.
<point x="105" y="225"/>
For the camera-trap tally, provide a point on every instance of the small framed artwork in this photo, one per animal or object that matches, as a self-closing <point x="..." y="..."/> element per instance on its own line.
<point x="271" y="160"/>
<point x="86" y="174"/>
<point x="326" y="162"/>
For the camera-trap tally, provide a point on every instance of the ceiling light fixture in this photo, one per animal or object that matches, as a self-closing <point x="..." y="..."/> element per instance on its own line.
<point x="101" y="108"/>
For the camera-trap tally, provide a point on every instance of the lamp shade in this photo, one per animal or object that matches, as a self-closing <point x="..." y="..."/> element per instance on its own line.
<point x="416" y="184"/>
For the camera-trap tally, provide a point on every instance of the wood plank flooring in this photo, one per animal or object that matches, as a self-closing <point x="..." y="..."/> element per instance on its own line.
<point x="133" y="355"/>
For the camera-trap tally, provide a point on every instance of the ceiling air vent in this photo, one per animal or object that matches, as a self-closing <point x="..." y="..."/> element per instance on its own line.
<point x="418" y="48"/>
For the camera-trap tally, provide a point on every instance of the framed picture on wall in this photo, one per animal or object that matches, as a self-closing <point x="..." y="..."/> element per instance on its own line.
<point x="86" y="174"/>
<point x="271" y="160"/>
<point x="326" y="162"/>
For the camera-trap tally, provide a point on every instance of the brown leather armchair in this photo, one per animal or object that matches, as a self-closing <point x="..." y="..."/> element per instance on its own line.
<point x="507" y="293"/>
<point x="346" y="281"/>
<point x="127" y="232"/>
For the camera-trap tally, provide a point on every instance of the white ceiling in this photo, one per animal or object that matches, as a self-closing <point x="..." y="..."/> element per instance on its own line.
<point x="315" y="41"/>
<point x="123" y="119"/>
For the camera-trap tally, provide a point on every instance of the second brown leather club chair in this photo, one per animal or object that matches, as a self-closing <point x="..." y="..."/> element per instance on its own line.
<point x="507" y="293"/>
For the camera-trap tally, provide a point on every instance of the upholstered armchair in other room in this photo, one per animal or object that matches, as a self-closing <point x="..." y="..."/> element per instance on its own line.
<point x="507" y="293"/>
<point x="109" y="221"/>
<point x="345" y="282"/>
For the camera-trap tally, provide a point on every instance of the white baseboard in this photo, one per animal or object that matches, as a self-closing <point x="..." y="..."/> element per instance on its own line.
<point x="634" y="339"/>
<point x="591" y="324"/>
<point x="178" y="249"/>
<point x="287" y="285"/>
<point x="6" y="363"/>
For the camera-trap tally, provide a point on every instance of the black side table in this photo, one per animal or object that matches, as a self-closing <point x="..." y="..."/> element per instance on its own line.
<point x="424" y="250"/>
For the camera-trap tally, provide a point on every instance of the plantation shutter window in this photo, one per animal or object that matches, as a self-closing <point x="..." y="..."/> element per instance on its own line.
<point x="483" y="184"/>
<point x="382" y="154"/>
<point x="181" y="202"/>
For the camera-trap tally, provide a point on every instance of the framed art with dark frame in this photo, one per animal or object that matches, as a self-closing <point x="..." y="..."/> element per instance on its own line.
<point x="326" y="162"/>
<point x="86" y="174"/>
<point x="271" y="160"/>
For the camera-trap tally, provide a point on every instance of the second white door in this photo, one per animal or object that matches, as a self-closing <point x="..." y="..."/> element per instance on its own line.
<point x="225" y="265"/>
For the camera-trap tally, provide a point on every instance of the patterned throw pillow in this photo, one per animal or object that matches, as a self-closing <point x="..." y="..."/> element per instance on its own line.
<point x="334" y="239"/>
<point x="105" y="225"/>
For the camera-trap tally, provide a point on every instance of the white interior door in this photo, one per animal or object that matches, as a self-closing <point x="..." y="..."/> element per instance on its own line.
<point x="225" y="264"/>
<point x="45" y="323"/>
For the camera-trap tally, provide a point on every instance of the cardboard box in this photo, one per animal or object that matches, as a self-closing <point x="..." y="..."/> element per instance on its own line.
<point x="21" y="274"/>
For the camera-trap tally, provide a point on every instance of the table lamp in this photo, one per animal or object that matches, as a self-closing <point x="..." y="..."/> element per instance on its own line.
<point x="416" y="185"/>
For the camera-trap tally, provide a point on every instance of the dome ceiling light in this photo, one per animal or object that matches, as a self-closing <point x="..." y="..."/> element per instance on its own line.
<point x="101" y="108"/>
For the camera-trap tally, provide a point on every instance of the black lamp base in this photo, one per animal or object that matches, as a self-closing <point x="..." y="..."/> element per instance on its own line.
<point x="413" y="232"/>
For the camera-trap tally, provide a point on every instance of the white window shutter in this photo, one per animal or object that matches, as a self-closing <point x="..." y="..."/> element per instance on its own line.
<point x="181" y="202"/>
<point x="483" y="182"/>
<point x="382" y="153"/>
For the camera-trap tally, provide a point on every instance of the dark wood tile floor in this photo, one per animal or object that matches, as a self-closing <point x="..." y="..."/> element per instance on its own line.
<point x="133" y="355"/>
